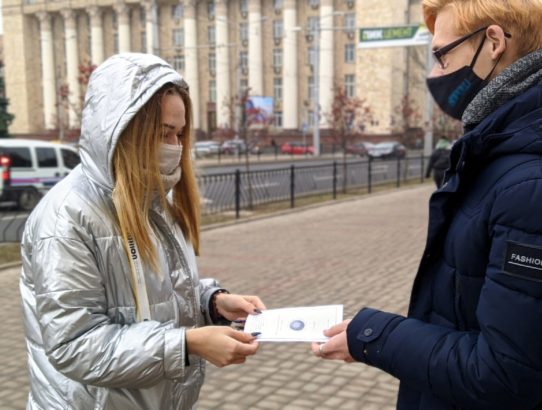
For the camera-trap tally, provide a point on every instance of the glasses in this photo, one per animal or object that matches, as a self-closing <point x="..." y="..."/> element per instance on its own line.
<point x="441" y="52"/>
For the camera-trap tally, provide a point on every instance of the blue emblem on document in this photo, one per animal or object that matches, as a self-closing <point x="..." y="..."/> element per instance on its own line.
<point x="297" y="325"/>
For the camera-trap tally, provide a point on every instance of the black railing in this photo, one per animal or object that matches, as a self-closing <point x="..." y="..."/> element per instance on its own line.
<point x="243" y="190"/>
<point x="240" y="190"/>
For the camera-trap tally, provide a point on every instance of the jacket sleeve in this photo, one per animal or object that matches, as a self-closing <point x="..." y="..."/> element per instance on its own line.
<point x="79" y="339"/>
<point x="498" y="367"/>
<point x="430" y="165"/>
<point x="208" y="287"/>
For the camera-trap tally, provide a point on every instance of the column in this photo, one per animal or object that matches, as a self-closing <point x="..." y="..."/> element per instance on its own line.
<point x="290" y="114"/>
<point x="255" y="69"/>
<point x="326" y="61"/>
<point x="96" y="35"/>
<point x="223" y="93"/>
<point x="72" y="67"/>
<point x="151" y="26"/>
<point x="123" y="26"/>
<point x="47" y="71"/>
<point x="191" y="58"/>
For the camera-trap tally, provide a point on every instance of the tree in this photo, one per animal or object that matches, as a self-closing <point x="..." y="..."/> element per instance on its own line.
<point x="445" y="126"/>
<point x="5" y="117"/>
<point x="407" y="121"/>
<point x="63" y="104"/>
<point x="347" y="118"/>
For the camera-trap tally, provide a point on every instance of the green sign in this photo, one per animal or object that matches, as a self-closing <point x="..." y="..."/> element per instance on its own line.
<point x="398" y="36"/>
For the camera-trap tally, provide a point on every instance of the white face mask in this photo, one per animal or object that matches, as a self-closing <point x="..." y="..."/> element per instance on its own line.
<point x="170" y="164"/>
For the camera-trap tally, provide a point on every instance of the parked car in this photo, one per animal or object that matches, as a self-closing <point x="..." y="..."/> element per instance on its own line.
<point x="359" y="148"/>
<point x="233" y="147"/>
<point x="296" y="148"/>
<point x="387" y="150"/>
<point x="5" y="169"/>
<point x="35" y="167"/>
<point x="205" y="148"/>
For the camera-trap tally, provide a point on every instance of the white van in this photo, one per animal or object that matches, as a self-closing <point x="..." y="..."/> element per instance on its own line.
<point x="35" y="167"/>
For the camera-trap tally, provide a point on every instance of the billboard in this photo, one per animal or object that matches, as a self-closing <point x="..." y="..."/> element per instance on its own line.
<point x="259" y="110"/>
<point x="398" y="36"/>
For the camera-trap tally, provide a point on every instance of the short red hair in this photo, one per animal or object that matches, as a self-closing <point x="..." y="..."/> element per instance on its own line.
<point x="521" y="18"/>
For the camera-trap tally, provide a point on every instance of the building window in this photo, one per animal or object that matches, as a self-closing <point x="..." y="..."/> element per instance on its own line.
<point x="350" y="22"/>
<point x="277" y="89"/>
<point x="211" y="10"/>
<point x="311" y="88"/>
<point x="277" y="4"/>
<point x="350" y="85"/>
<point x="178" y="62"/>
<point x="277" y="119"/>
<point x="143" y="39"/>
<point x="177" y="11"/>
<point x="115" y="33"/>
<point x="311" y="118"/>
<point x="349" y="53"/>
<point x="211" y="34"/>
<point x="244" y="85"/>
<point x="212" y="63"/>
<point x="142" y="18"/>
<point x="89" y="36"/>
<point x="314" y="3"/>
<point x="277" y="57"/>
<point x="177" y="37"/>
<point x="244" y="7"/>
<point x="312" y="57"/>
<point x="313" y="24"/>
<point x="278" y="29"/>
<point x="243" y="59"/>
<point x="243" y="32"/>
<point x="212" y="91"/>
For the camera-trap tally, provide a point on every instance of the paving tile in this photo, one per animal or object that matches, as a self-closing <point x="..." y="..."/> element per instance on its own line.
<point x="333" y="254"/>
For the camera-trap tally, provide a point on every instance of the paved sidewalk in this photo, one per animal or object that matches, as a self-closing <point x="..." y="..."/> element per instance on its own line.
<point x="362" y="252"/>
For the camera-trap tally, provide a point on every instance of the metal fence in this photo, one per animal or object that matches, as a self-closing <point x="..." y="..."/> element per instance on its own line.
<point x="240" y="190"/>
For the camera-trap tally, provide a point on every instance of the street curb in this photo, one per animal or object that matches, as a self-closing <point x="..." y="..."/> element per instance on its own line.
<point x="9" y="265"/>
<point x="305" y="208"/>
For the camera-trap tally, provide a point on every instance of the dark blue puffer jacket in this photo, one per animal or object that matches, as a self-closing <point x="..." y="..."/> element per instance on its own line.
<point x="473" y="336"/>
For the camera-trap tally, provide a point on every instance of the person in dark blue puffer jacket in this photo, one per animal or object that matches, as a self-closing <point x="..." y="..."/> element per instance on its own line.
<point x="473" y="335"/>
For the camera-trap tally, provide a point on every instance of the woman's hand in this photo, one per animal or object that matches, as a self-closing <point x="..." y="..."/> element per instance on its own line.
<point x="221" y="345"/>
<point x="336" y="348"/>
<point x="236" y="307"/>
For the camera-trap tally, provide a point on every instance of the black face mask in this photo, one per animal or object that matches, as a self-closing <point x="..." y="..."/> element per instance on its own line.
<point x="453" y="92"/>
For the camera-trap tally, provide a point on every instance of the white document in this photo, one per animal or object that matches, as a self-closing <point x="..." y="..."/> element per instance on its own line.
<point x="297" y="324"/>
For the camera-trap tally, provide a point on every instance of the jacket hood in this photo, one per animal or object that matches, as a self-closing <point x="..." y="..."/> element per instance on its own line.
<point x="117" y="89"/>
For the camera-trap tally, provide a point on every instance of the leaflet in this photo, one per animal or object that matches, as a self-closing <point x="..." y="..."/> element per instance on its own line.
<point x="296" y="324"/>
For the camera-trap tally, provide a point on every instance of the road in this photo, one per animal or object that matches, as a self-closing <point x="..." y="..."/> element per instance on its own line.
<point x="268" y="182"/>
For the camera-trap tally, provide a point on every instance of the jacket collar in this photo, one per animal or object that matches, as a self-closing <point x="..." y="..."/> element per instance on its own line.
<point x="515" y="127"/>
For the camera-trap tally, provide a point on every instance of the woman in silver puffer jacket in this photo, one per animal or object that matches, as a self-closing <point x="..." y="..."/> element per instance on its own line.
<point x="115" y="314"/>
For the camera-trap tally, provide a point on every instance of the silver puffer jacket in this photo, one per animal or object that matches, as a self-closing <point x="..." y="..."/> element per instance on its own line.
<point x="85" y="348"/>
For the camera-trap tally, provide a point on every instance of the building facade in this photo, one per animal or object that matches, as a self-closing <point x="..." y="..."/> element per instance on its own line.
<point x="293" y="51"/>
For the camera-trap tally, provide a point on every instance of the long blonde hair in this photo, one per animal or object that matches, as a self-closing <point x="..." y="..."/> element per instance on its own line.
<point x="137" y="178"/>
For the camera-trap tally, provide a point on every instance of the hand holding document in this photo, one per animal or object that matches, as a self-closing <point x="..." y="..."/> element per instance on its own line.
<point x="297" y="324"/>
